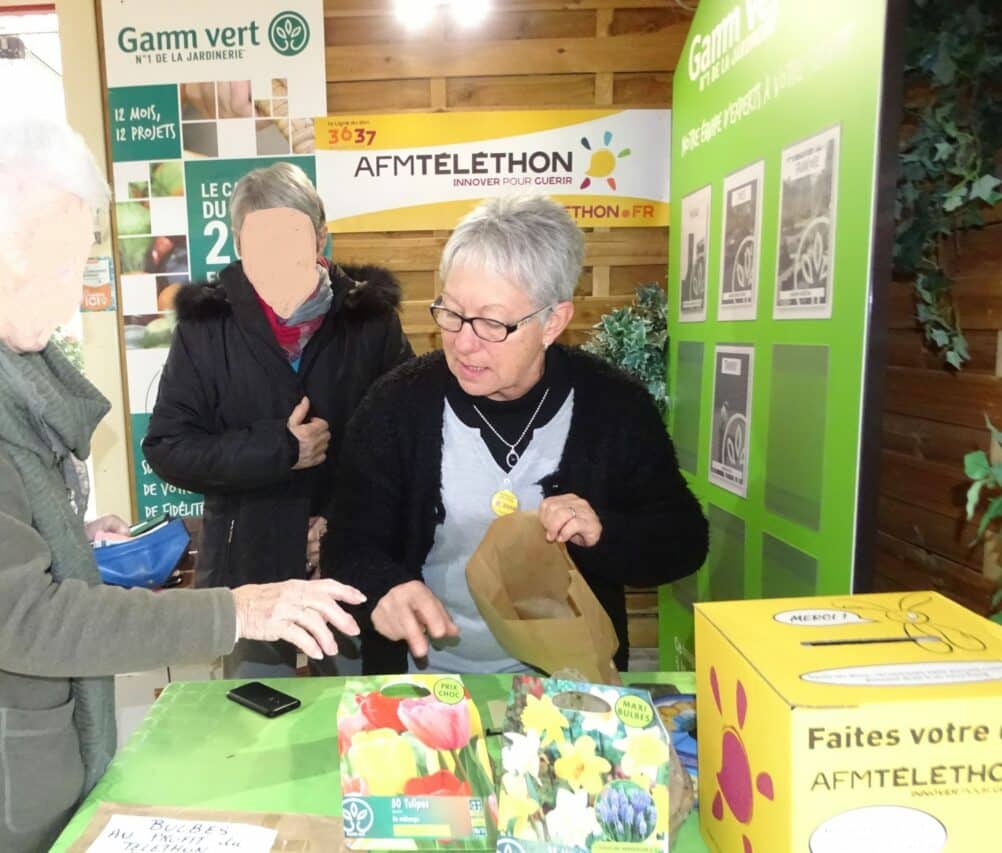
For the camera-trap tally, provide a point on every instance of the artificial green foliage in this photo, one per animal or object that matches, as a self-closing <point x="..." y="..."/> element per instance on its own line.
<point x="635" y="339"/>
<point x="953" y="132"/>
<point x="986" y="483"/>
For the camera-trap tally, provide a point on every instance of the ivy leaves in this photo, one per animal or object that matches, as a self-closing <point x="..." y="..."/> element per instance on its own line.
<point x="953" y="130"/>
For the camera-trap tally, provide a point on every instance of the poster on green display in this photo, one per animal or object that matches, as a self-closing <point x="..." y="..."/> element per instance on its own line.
<point x="784" y="123"/>
<point x="198" y="95"/>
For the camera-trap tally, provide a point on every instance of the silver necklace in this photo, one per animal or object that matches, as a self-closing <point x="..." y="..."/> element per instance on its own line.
<point x="512" y="456"/>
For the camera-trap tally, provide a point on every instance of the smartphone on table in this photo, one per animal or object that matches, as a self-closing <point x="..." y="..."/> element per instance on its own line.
<point x="263" y="699"/>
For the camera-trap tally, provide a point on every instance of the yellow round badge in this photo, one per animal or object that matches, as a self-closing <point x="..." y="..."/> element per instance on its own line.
<point x="504" y="502"/>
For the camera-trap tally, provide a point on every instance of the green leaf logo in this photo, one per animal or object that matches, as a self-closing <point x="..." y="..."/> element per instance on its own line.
<point x="289" y="33"/>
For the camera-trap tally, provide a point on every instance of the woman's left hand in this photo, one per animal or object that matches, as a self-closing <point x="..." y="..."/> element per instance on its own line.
<point x="568" y="518"/>
<point x="106" y="524"/>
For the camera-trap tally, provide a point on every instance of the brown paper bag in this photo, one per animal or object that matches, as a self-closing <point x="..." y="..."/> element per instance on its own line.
<point x="303" y="833"/>
<point x="536" y="602"/>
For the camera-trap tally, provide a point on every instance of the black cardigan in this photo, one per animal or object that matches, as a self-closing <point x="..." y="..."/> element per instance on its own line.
<point x="618" y="457"/>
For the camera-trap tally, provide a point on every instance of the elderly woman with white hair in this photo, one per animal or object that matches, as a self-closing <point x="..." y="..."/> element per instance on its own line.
<point x="503" y="418"/>
<point x="63" y="634"/>
<point x="265" y="368"/>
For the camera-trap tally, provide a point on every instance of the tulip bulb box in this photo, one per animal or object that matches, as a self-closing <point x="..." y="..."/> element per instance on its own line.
<point x="585" y="768"/>
<point x="865" y="723"/>
<point x="415" y="772"/>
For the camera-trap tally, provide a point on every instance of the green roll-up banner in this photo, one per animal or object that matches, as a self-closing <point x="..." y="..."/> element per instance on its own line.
<point x="784" y="120"/>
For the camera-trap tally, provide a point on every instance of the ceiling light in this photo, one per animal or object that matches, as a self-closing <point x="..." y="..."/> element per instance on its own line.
<point x="469" y="13"/>
<point x="414" y="14"/>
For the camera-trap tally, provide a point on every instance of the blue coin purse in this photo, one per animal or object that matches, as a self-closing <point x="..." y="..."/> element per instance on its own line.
<point x="145" y="560"/>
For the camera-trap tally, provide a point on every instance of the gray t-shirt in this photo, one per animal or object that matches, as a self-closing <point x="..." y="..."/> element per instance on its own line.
<point x="470" y="477"/>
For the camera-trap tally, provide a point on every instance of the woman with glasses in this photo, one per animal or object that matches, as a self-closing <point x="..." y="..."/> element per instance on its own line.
<point x="502" y="419"/>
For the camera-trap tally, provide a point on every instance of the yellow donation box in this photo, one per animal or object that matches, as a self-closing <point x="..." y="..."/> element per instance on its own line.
<point x="849" y="724"/>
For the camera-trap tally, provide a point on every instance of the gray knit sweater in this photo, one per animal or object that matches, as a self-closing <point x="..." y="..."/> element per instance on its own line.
<point x="62" y="634"/>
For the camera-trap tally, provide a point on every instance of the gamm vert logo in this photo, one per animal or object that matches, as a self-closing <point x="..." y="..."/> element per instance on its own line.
<point x="603" y="161"/>
<point x="289" y="33"/>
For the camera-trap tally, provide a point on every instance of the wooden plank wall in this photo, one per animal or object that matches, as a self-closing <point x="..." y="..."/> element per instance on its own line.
<point x="932" y="417"/>
<point x="530" y="54"/>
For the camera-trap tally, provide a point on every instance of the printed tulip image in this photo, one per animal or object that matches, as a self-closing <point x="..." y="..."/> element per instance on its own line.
<point x="576" y="778"/>
<point x="383" y="760"/>
<point x="440" y="784"/>
<point x="380" y="710"/>
<point x="436" y="724"/>
<point x="414" y="765"/>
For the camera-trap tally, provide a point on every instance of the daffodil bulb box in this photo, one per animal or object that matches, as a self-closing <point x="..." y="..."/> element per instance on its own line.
<point x="848" y="724"/>
<point x="584" y="768"/>
<point x="415" y="771"/>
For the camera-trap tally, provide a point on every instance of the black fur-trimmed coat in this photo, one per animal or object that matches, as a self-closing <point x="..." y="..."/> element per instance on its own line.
<point x="618" y="457"/>
<point x="219" y="426"/>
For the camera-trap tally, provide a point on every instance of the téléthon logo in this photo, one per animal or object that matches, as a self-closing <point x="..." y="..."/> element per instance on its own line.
<point x="288" y="33"/>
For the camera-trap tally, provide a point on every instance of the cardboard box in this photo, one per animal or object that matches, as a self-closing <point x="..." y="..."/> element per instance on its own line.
<point x="849" y="724"/>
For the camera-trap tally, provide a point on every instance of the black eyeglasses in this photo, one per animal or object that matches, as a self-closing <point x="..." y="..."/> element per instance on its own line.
<point x="484" y="328"/>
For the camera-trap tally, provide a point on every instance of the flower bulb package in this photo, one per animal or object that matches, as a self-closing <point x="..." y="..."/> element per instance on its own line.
<point x="585" y="768"/>
<point x="415" y="771"/>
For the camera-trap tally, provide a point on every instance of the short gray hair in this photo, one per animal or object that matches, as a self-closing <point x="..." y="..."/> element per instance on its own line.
<point x="39" y="148"/>
<point x="280" y="185"/>
<point x="528" y="239"/>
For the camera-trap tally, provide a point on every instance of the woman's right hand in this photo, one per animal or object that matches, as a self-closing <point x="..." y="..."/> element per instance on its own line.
<point x="298" y="612"/>
<point x="313" y="435"/>
<point x="412" y="612"/>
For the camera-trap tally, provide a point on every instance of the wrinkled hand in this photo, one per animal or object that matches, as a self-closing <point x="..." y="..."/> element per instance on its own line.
<point x="298" y="612"/>
<point x="316" y="532"/>
<point x="233" y="99"/>
<point x="313" y="436"/>
<point x="568" y="518"/>
<point x="412" y="612"/>
<point x="106" y="524"/>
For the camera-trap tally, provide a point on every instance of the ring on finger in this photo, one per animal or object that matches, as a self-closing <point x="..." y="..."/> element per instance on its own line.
<point x="574" y="512"/>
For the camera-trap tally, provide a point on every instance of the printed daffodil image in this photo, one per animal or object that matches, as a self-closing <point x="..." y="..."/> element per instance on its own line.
<point x="643" y="753"/>
<point x="516" y="807"/>
<point x="580" y="770"/>
<point x="603" y="161"/>
<point x="572" y="820"/>
<point x="542" y="716"/>
<point x="580" y="767"/>
<point x="602" y="723"/>
<point x="521" y="754"/>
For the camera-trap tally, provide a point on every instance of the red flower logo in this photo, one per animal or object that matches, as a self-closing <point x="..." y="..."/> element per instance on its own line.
<point x="735" y="775"/>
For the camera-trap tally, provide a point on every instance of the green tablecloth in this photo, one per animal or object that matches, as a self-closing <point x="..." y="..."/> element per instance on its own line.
<point x="197" y="749"/>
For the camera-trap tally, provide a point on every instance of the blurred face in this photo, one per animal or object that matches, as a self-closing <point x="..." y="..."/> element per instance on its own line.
<point x="279" y="249"/>
<point x="43" y="250"/>
<point x="503" y="370"/>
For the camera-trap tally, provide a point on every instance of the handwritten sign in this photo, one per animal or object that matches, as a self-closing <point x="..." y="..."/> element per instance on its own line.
<point x="132" y="834"/>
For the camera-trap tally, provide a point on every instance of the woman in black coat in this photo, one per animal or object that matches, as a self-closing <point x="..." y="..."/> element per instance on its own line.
<point x="502" y="419"/>
<point x="265" y="368"/>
